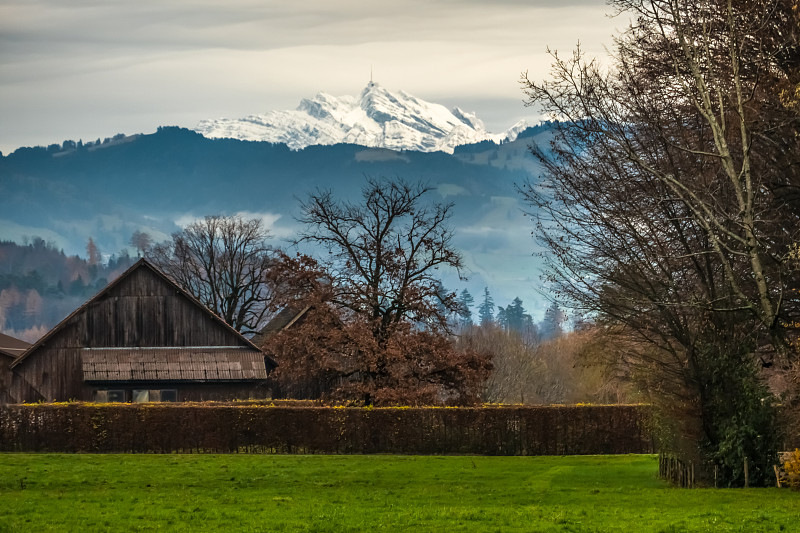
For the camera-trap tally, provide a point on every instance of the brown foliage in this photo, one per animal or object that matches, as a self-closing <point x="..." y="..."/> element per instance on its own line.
<point x="332" y="352"/>
<point x="374" y="317"/>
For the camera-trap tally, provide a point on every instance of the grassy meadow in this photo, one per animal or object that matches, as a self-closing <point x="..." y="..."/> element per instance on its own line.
<point x="56" y="492"/>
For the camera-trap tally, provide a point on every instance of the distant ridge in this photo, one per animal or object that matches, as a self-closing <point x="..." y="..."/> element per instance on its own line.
<point x="377" y="118"/>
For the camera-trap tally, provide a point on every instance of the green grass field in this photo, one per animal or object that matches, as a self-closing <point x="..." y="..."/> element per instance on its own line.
<point x="363" y="493"/>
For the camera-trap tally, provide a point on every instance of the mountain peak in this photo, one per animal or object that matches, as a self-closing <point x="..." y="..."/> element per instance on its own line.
<point x="376" y="118"/>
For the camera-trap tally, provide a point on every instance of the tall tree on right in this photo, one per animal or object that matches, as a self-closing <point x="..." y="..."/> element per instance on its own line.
<point x="666" y="204"/>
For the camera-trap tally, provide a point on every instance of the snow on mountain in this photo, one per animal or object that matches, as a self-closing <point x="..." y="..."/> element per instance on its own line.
<point x="377" y="118"/>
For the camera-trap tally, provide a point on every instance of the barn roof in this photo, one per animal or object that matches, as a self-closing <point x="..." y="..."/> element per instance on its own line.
<point x="211" y="363"/>
<point x="283" y="320"/>
<point x="142" y="264"/>
<point x="11" y="347"/>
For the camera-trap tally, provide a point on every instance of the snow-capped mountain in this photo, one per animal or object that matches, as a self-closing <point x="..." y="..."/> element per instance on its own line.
<point x="377" y="118"/>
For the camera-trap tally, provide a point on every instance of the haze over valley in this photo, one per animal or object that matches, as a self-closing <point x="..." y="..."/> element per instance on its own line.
<point x="156" y="183"/>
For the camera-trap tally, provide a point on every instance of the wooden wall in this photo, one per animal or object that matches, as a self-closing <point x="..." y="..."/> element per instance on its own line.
<point x="143" y="310"/>
<point x="54" y="372"/>
<point x="5" y="379"/>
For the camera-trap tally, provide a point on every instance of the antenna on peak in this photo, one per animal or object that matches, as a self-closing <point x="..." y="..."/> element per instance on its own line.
<point x="370" y="74"/>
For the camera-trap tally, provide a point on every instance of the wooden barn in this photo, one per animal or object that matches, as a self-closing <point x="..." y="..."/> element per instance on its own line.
<point x="142" y="338"/>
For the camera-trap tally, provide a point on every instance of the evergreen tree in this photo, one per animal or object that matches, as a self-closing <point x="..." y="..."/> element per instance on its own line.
<point x="93" y="257"/>
<point x="486" y="309"/>
<point x="77" y="286"/>
<point x="553" y="322"/>
<point x="465" y="302"/>
<point x="514" y="318"/>
<point x="515" y="315"/>
<point x="502" y="317"/>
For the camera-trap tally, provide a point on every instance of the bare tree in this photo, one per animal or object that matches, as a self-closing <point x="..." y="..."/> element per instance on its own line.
<point x="661" y="210"/>
<point x="566" y="369"/>
<point x="385" y="253"/>
<point x="142" y="242"/>
<point x="223" y="262"/>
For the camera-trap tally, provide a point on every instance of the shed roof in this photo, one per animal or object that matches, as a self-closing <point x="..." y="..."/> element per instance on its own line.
<point x="12" y="347"/>
<point x="207" y="364"/>
<point x="281" y="321"/>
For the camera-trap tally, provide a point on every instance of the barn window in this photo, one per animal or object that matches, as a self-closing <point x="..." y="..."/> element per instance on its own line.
<point x="115" y="395"/>
<point x="137" y="395"/>
<point x="103" y="396"/>
<point x="141" y="396"/>
<point x="164" y="395"/>
<point x="169" y="395"/>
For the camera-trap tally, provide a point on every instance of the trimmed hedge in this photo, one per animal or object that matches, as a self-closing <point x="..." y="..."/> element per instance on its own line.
<point x="204" y="428"/>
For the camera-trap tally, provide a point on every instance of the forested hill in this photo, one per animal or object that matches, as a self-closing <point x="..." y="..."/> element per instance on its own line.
<point x="107" y="190"/>
<point x="155" y="183"/>
<point x="40" y="285"/>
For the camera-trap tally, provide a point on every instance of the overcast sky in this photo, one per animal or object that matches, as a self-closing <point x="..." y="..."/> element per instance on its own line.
<point x="85" y="69"/>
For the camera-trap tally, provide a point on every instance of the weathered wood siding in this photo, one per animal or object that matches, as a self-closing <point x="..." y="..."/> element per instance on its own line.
<point x="5" y="379"/>
<point x="142" y="310"/>
<point x="56" y="373"/>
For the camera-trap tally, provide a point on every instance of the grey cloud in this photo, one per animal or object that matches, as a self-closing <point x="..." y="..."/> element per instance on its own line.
<point x="70" y="65"/>
<point x="248" y="25"/>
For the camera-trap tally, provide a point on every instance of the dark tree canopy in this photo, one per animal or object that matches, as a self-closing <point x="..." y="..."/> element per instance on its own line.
<point x="552" y="325"/>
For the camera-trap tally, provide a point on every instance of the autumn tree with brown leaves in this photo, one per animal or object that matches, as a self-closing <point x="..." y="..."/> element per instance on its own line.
<point x="375" y="329"/>
<point x="666" y="204"/>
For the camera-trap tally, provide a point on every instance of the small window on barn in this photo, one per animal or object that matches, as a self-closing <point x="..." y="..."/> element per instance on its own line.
<point x="115" y="395"/>
<point x="101" y="396"/>
<point x="141" y="396"/>
<point x="169" y="395"/>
